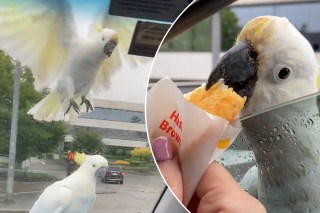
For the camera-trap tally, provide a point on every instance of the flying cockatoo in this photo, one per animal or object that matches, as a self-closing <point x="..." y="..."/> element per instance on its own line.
<point x="272" y="63"/>
<point x="42" y="35"/>
<point x="77" y="192"/>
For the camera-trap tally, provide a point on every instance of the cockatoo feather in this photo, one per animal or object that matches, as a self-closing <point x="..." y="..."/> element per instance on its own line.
<point x="120" y="55"/>
<point x="38" y="33"/>
<point x="42" y="35"/>
<point x="279" y="66"/>
<point x="75" y="193"/>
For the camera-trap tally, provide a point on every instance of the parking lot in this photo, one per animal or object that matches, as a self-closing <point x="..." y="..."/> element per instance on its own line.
<point x="139" y="192"/>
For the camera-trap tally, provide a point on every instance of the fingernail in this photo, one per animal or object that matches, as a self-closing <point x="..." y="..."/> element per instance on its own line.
<point x="162" y="149"/>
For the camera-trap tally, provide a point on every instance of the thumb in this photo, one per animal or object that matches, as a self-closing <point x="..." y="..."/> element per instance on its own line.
<point x="167" y="159"/>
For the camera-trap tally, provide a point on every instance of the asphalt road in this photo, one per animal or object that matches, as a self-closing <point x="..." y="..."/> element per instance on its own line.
<point x="138" y="194"/>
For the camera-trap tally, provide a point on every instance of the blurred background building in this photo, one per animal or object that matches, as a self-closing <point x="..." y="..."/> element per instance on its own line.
<point x="190" y="56"/>
<point x="302" y="14"/>
<point x="119" y="124"/>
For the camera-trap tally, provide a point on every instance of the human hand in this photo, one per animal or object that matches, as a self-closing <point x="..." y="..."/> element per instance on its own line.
<point x="217" y="190"/>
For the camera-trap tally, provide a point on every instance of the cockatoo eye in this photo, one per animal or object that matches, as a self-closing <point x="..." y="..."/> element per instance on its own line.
<point x="102" y="38"/>
<point x="282" y="72"/>
<point x="93" y="165"/>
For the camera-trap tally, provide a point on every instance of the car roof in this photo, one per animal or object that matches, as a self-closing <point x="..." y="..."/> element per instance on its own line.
<point x="114" y="167"/>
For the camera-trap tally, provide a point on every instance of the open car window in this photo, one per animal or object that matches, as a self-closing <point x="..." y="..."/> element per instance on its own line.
<point x="285" y="135"/>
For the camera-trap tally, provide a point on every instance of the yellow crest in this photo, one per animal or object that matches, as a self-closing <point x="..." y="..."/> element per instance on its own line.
<point x="257" y="30"/>
<point x="99" y="29"/>
<point x="79" y="158"/>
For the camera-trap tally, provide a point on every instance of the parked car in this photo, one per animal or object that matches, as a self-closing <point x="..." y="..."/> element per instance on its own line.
<point x="113" y="174"/>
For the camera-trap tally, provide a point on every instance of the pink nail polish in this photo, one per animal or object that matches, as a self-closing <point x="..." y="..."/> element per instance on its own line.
<point x="162" y="149"/>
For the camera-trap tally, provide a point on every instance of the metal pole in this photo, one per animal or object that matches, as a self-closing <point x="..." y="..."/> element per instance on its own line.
<point x="13" y="135"/>
<point x="216" y="38"/>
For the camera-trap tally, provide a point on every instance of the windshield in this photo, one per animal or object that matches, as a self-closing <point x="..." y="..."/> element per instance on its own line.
<point x="70" y="54"/>
<point x="118" y="169"/>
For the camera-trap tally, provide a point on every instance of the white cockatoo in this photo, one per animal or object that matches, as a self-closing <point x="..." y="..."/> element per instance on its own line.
<point x="77" y="192"/>
<point x="42" y="35"/>
<point x="272" y="63"/>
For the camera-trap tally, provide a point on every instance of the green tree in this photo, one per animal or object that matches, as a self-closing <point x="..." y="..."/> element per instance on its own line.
<point x="88" y="142"/>
<point x="33" y="137"/>
<point x="198" y="38"/>
<point x="229" y="28"/>
<point x="143" y="153"/>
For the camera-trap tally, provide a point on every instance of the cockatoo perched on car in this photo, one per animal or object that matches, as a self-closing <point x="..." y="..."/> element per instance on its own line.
<point x="77" y="192"/>
<point x="270" y="64"/>
<point x="42" y="35"/>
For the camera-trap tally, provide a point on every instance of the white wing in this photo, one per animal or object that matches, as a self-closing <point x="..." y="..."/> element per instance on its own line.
<point x="53" y="199"/>
<point x="125" y="28"/>
<point x="37" y="33"/>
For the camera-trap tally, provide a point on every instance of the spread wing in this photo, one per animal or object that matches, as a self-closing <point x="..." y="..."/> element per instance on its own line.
<point x="37" y="33"/>
<point x="125" y="28"/>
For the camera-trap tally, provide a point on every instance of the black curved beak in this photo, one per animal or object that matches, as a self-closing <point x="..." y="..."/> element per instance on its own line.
<point x="238" y="68"/>
<point x="109" y="48"/>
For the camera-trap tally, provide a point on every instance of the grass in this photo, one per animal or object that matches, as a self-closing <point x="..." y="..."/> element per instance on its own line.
<point x="29" y="177"/>
<point x="143" y="168"/>
<point x="3" y="165"/>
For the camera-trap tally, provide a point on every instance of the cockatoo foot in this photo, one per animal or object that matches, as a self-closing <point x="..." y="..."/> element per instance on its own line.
<point x="74" y="105"/>
<point x="87" y="103"/>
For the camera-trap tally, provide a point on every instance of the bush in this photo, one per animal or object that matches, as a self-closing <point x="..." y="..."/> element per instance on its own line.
<point x="3" y="165"/>
<point x="143" y="153"/>
<point x="111" y="157"/>
<point x="65" y="158"/>
<point x="88" y="142"/>
<point x="29" y="177"/>
<point x="121" y="162"/>
<point x="41" y="156"/>
<point x="135" y="163"/>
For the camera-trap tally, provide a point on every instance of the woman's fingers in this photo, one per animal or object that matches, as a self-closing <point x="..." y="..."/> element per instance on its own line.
<point x="219" y="192"/>
<point x="168" y="163"/>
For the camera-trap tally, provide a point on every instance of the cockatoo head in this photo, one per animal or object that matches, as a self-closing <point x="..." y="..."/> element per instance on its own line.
<point x="95" y="164"/>
<point x="271" y="63"/>
<point x="110" y="40"/>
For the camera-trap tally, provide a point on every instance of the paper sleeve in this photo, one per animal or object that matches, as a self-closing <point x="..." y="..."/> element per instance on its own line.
<point x="199" y="137"/>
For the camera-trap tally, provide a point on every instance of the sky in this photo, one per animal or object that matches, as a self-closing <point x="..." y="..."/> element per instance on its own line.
<point x="84" y="12"/>
<point x="127" y="84"/>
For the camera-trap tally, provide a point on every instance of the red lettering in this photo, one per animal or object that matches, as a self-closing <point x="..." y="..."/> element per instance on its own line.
<point x="174" y="116"/>
<point x="173" y="133"/>
<point x="164" y="124"/>
<point x="178" y="139"/>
